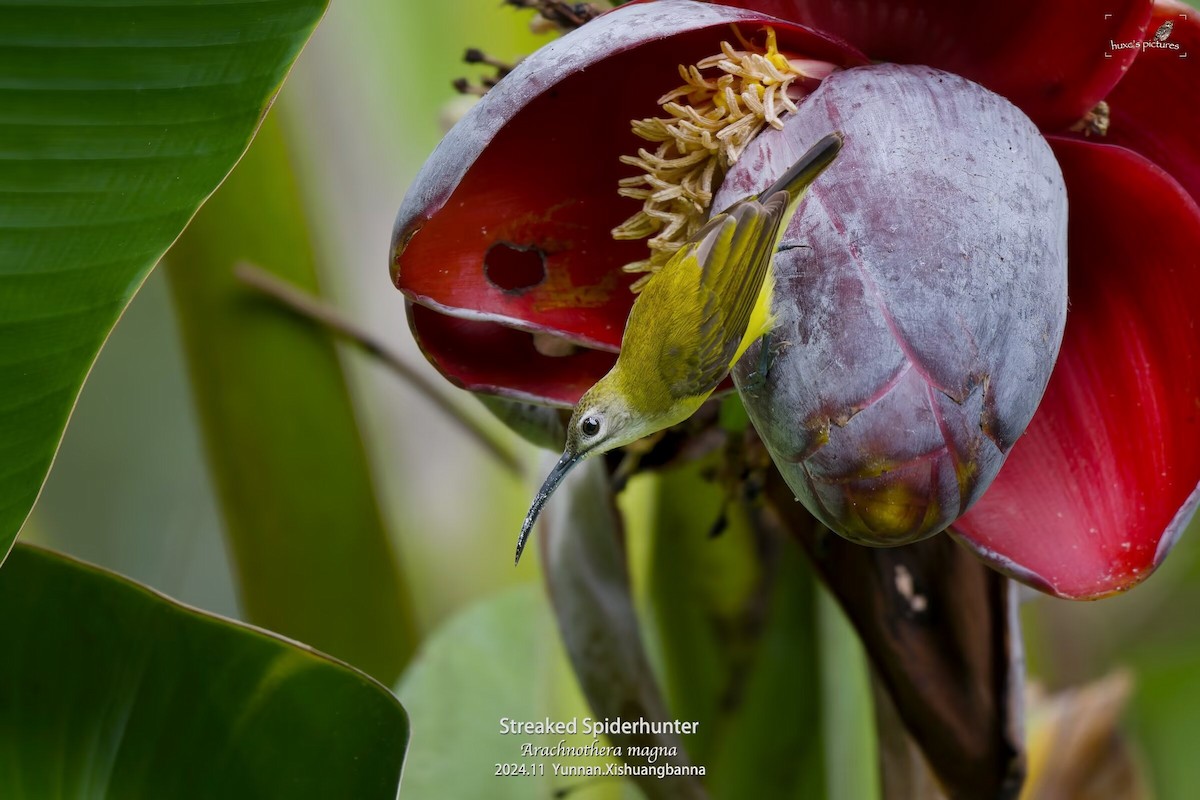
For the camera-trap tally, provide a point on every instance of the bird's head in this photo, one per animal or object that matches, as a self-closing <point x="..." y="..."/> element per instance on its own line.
<point x="601" y="421"/>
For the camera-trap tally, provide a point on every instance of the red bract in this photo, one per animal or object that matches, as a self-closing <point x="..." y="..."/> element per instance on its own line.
<point x="508" y="225"/>
<point x="503" y="244"/>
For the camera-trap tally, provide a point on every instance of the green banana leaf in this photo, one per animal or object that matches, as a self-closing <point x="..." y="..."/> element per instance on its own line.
<point x="117" y="120"/>
<point x="110" y="690"/>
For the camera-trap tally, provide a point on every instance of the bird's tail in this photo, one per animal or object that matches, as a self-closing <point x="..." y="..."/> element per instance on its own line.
<point x="795" y="183"/>
<point x="775" y="209"/>
<point x="801" y="174"/>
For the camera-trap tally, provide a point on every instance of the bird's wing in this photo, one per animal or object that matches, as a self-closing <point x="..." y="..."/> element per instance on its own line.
<point x="719" y="275"/>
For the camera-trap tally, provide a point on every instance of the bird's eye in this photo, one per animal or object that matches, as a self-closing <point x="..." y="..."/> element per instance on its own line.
<point x="590" y="426"/>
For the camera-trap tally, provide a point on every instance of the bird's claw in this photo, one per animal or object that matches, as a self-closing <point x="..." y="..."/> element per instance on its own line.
<point x="766" y="357"/>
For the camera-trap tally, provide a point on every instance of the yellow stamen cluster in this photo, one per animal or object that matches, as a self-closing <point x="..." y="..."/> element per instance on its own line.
<point x="713" y="117"/>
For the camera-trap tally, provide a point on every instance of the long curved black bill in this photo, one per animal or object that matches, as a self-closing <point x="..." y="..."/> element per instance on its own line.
<point x="555" y="477"/>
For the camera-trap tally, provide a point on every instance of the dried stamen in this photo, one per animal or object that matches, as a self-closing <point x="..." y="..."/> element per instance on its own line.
<point x="1094" y="122"/>
<point x="724" y="102"/>
<point x="464" y="86"/>
<point x="559" y="16"/>
<point x="474" y="55"/>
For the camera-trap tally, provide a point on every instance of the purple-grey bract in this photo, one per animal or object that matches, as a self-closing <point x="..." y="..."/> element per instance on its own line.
<point x="921" y="296"/>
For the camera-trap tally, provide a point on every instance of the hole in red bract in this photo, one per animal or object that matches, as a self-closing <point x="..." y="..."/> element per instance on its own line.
<point x="514" y="268"/>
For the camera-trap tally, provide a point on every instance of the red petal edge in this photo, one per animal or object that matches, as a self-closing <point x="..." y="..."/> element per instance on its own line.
<point x="1105" y="478"/>
<point x="488" y="357"/>
<point x="1048" y="58"/>
<point x="1153" y="108"/>
<point x="534" y="168"/>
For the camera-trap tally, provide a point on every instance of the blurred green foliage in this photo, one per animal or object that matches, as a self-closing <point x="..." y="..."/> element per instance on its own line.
<point x="739" y="642"/>
<point x="283" y="445"/>
<point x="1154" y="631"/>
<point x="362" y="113"/>
<point x="500" y="658"/>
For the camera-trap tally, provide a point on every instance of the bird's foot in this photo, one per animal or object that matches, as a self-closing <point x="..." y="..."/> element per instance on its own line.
<point x="766" y="357"/>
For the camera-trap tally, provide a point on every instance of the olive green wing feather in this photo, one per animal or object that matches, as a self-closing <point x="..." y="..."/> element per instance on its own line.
<point x="721" y="273"/>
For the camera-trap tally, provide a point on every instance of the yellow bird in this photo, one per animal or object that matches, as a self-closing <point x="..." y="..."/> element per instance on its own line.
<point x="689" y="326"/>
